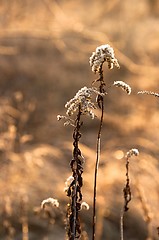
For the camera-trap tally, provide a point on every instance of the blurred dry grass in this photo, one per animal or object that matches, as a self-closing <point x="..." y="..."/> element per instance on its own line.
<point x="44" y="51"/>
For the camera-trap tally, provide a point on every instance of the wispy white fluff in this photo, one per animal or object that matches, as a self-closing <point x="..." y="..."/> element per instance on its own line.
<point x="49" y="202"/>
<point x="149" y="93"/>
<point x="103" y="53"/>
<point x="124" y="86"/>
<point x="82" y="99"/>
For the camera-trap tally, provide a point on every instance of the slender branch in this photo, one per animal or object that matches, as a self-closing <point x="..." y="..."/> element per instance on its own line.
<point x="126" y="190"/>
<point x="122" y="224"/>
<point x="127" y="199"/>
<point x="100" y="102"/>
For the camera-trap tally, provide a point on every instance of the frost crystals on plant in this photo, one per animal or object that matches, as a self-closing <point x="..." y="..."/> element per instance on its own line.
<point x="50" y="202"/>
<point x="103" y="53"/>
<point x="68" y="121"/>
<point x="68" y="183"/>
<point x="123" y="85"/>
<point x="83" y="99"/>
<point x="149" y="93"/>
<point x="132" y="152"/>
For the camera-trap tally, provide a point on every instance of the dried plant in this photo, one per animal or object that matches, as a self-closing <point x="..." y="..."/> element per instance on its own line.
<point x="149" y="93"/>
<point x="147" y="214"/>
<point x="49" y="210"/>
<point x="17" y="113"/>
<point x="103" y="53"/>
<point x="126" y="190"/>
<point x="83" y="105"/>
<point x="123" y="86"/>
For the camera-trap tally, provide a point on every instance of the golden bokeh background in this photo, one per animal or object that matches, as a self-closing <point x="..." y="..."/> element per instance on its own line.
<point x="45" y="47"/>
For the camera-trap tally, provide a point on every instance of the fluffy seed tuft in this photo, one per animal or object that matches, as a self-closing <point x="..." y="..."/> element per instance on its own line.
<point x="103" y="53"/>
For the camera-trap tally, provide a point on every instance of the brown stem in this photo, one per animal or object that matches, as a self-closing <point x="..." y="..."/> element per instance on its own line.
<point x="127" y="199"/>
<point x="75" y="189"/>
<point x="100" y="101"/>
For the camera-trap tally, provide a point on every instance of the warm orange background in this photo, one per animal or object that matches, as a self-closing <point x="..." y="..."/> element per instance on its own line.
<point x="45" y="47"/>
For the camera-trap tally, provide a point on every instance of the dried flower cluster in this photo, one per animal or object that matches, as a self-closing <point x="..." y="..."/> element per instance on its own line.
<point x="82" y="99"/>
<point x="82" y="104"/>
<point x="149" y="93"/>
<point x="103" y="53"/>
<point x="123" y="85"/>
<point x="132" y="152"/>
<point x="49" y="202"/>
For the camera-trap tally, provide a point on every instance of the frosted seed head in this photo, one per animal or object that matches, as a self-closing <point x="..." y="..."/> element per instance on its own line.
<point x="83" y="100"/>
<point x="103" y="53"/>
<point x="132" y="152"/>
<point x="149" y="93"/>
<point x="49" y="202"/>
<point x="124" y="86"/>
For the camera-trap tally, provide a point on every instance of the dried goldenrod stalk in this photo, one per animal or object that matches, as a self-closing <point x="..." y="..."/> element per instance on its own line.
<point x="83" y="105"/>
<point x="149" y="93"/>
<point x="123" y="85"/>
<point x="103" y="53"/>
<point x="74" y="192"/>
<point x="126" y="190"/>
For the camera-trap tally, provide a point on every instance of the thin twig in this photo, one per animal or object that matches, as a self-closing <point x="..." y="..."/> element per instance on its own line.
<point x="127" y="199"/>
<point x="126" y="190"/>
<point x="122" y="224"/>
<point x="100" y="101"/>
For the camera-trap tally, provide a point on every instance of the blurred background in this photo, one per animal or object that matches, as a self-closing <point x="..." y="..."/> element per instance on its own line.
<point x="45" y="47"/>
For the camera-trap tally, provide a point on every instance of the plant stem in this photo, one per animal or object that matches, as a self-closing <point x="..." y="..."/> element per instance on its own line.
<point x="100" y="101"/>
<point x="127" y="199"/>
<point x="122" y="224"/>
<point x="76" y="188"/>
